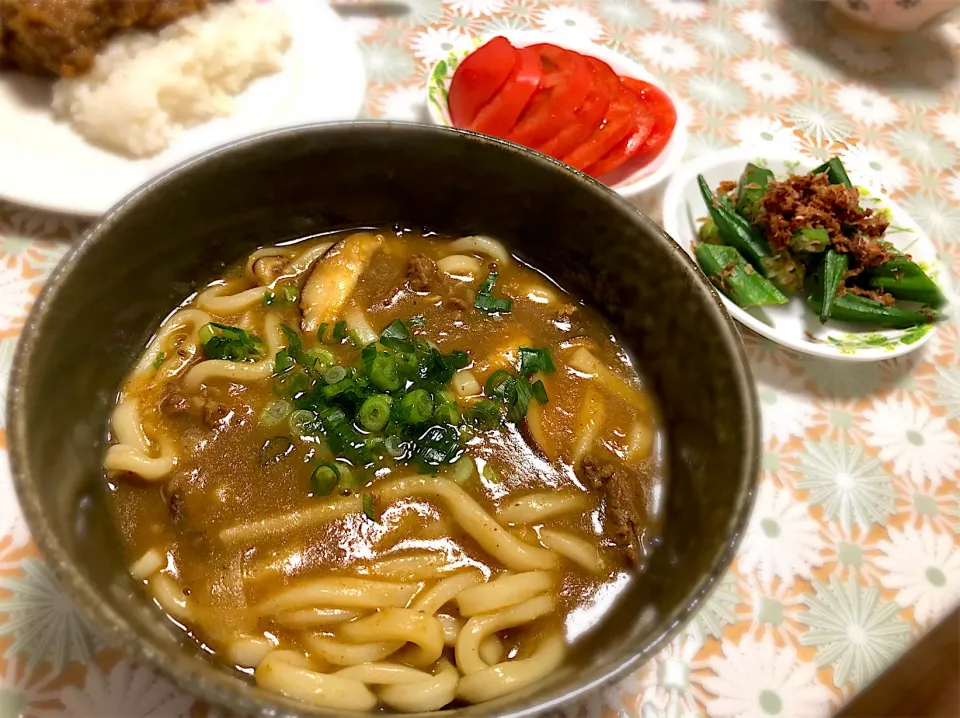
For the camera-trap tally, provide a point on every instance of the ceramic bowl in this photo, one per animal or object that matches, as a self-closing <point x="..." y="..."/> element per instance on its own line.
<point x="135" y="265"/>
<point x="794" y="324"/>
<point x="630" y="179"/>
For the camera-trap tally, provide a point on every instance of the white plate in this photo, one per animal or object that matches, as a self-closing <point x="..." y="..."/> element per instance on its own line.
<point x="629" y="179"/>
<point x="46" y="164"/>
<point x="793" y="324"/>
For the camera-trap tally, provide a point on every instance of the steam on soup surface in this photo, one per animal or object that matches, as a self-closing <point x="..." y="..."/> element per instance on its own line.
<point x="385" y="469"/>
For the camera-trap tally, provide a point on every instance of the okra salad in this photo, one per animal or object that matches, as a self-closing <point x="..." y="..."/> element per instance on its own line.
<point x="767" y="240"/>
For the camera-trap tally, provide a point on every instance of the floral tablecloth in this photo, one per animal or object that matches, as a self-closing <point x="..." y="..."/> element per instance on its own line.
<point x="852" y="551"/>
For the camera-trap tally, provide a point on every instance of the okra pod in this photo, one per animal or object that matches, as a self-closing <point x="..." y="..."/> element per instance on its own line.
<point x="904" y="279"/>
<point x="834" y="272"/>
<point x="785" y="271"/>
<point x="812" y="240"/>
<point x="862" y="310"/>
<point x="709" y="234"/>
<point x="734" y="229"/>
<point x="836" y="172"/>
<point x="726" y="268"/>
<point x="750" y="189"/>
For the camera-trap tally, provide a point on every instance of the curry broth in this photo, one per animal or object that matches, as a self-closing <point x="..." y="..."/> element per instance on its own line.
<point x="219" y="479"/>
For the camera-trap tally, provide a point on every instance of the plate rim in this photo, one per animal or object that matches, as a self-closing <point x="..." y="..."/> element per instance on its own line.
<point x="673" y="201"/>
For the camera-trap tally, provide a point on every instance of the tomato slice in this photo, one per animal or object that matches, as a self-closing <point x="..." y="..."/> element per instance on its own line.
<point x="618" y="123"/>
<point x="630" y="146"/>
<point x="662" y="110"/>
<point x="606" y="77"/>
<point x="477" y="79"/>
<point x="562" y="89"/>
<point x="501" y="113"/>
<point x="584" y="122"/>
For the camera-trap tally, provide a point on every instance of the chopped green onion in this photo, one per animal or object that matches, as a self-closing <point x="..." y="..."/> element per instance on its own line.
<point x="397" y="337"/>
<point x="491" y="475"/>
<point x="341" y="387"/>
<point x="290" y="384"/>
<point x="221" y="341"/>
<point x="486" y="302"/>
<point x="438" y="445"/>
<point x="322" y="331"/>
<point x="395" y="330"/>
<point x="384" y="374"/>
<point x="499" y="385"/>
<point x="275" y="412"/>
<point x="334" y="374"/>
<point x="518" y="406"/>
<point x="407" y="364"/>
<point x="340" y="330"/>
<point x="274" y="449"/>
<point x="535" y="360"/>
<point x="418" y="320"/>
<point x="302" y="422"/>
<point x="540" y="392"/>
<point x="416" y="407"/>
<point x="321" y="357"/>
<point x="282" y="361"/>
<point x="484" y="415"/>
<point x="286" y="293"/>
<point x="492" y="305"/>
<point x="324" y="478"/>
<point x="369" y="506"/>
<point x="447" y="414"/>
<point x="457" y="359"/>
<point x="463" y="469"/>
<point x="394" y="446"/>
<point x="346" y="473"/>
<point x="375" y="412"/>
<point x="158" y="362"/>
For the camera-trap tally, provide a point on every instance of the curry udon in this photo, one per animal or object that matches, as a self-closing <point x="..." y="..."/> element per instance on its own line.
<point x="385" y="469"/>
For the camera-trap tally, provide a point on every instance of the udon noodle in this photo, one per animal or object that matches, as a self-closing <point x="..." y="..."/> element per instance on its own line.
<point x="381" y="469"/>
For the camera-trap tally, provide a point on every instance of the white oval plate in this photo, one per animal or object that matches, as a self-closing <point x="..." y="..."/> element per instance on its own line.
<point x="628" y="179"/>
<point x="46" y="164"/>
<point x="793" y="324"/>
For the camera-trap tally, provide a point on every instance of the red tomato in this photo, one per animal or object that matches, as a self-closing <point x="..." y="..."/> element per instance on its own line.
<point x="500" y="115"/>
<point x="630" y="146"/>
<point x="662" y="110"/>
<point x="604" y="86"/>
<point x="478" y="78"/>
<point x="584" y="122"/>
<point x="618" y="123"/>
<point x="606" y="76"/>
<point x="562" y="89"/>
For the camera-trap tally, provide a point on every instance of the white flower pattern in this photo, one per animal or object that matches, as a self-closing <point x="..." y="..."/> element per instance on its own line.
<point x="125" y="690"/>
<point x="849" y="485"/>
<point x="865" y="106"/>
<point x="765" y="134"/>
<point x="924" y="568"/>
<point x="919" y="444"/>
<point x="758" y="679"/>
<point x="767" y="79"/>
<point x="877" y="166"/>
<point x="759" y="25"/>
<point x="668" y="52"/>
<point x="570" y="21"/>
<point x="782" y="541"/>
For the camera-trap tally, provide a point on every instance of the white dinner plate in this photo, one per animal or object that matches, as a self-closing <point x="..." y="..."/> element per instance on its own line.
<point x="45" y="163"/>
<point x="794" y="324"/>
